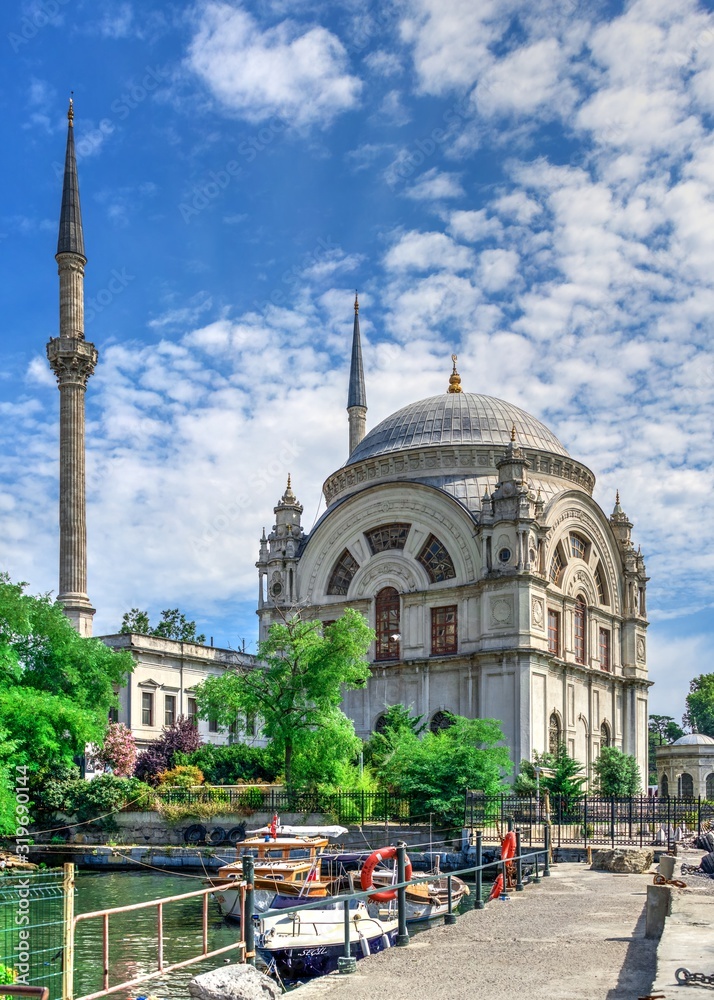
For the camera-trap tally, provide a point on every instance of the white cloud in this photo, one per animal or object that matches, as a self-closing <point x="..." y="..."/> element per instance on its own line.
<point x="383" y="63"/>
<point x="416" y="251"/>
<point x="298" y="74"/>
<point x="435" y="185"/>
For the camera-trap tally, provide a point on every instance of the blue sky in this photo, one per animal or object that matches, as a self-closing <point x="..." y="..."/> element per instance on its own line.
<point x="528" y="186"/>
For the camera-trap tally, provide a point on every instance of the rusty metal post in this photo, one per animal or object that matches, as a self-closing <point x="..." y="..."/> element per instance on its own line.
<point x="68" y="933"/>
<point x="546" y="863"/>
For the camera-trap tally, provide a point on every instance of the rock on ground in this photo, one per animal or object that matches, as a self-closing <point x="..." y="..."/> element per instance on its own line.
<point x="234" y="982"/>
<point x="629" y="860"/>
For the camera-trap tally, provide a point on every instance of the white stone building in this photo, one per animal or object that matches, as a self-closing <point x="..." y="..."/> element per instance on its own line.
<point x="498" y="588"/>
<point x="686" y="767"/>
<point x="462" y="529"/>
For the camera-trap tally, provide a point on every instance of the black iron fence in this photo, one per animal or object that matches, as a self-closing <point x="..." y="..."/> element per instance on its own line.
<point x="342" y="807"/>
<point x="590" y="819"/>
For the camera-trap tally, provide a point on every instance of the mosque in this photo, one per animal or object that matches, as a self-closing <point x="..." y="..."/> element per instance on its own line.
<point x="459" y="526"/>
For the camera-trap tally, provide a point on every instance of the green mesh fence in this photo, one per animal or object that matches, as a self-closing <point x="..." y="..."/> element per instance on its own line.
<point x="31" y="928"/>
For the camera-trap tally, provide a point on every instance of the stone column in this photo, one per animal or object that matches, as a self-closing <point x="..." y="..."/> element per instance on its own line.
<point x="72" y="359"/>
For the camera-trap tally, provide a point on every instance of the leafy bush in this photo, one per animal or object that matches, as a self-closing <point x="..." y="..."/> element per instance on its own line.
<point x="180" y="738"/>
<point x="184" y="775"/>
<point x="617" y="773"/>
<point x="118" y="750"/>
<point x="235" y="764"/>
<point x="90" y="800"/>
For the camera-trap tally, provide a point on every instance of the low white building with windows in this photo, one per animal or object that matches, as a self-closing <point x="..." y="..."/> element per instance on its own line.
<point x="685" y="768"/>
<point x="497" y="586"/>
<point x="163" y="684"/>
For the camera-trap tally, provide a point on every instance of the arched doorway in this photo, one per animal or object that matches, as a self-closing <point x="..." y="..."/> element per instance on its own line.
<point x="387" y="624"/>
<point x="710" y="786"/>
<point x="664" y="787"/>
<point x="685" y="786"/>
<point x="605" y="735"/>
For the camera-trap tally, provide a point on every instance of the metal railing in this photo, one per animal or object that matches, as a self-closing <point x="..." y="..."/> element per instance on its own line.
<point x="162" y="968"/>
<point x="345" y="807"/>
<point x="590" y="820"/>
<point x="33" y="908"/>
<point x="540" y="858"/>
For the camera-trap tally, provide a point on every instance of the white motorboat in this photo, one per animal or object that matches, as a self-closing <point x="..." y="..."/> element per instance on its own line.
<point x="309" y="942"/>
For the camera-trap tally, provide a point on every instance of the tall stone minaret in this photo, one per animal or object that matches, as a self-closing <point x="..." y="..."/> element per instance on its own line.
<point x="72" y="359"/>
<point x="356" y="396"/>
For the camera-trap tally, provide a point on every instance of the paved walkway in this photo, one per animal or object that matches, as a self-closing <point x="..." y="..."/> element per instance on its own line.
<point x="579" y="935"/>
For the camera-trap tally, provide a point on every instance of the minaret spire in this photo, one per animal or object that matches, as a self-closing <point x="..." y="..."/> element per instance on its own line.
<point x="72" y="359"/>
<point x="356" y="396"/>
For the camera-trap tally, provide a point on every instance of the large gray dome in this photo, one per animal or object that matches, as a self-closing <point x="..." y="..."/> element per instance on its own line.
<point x="453" y="419"/>
<point x="693" y="739"/>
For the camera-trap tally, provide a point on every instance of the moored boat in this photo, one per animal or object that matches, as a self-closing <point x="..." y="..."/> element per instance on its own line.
<point x="294" y="878"/>
<point x="309" y="942"/>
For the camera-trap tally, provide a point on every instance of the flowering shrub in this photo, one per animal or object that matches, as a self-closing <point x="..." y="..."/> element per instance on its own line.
<point x="119" y="750"/>
<point x="181" y="738"/>
<point x="185" y="775"/>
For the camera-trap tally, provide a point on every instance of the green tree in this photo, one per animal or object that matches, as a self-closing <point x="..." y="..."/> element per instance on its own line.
<point x="662" y="729"/>
<point x="699" y="716"/>
<point x="299" y="684"/>
<point x="135" y="621"/>
<point x="56" y="687"/>
<point x="564" y="777"/>
<point x="173" y="624"/>
<point x="395" y="720"/>
<point x="617" y="773"/>
<point x="439" y="768"/>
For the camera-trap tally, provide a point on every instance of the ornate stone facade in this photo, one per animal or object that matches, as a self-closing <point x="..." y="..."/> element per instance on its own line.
<point x="686" y="767"/>
<point x="501" y="590"/>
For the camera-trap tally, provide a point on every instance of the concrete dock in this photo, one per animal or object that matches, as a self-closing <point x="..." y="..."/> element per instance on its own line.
<point x="579" y="935"/>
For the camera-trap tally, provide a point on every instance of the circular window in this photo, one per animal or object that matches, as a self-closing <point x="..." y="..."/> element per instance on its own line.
<point x="276" y="589"/>
<point x="504" y="555"/>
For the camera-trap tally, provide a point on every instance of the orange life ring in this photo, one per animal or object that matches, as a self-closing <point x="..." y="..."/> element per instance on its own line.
<point x="508" y="850"/>
<point x="365" y="877"/>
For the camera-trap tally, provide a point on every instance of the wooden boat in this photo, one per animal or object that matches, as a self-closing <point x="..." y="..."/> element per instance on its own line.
<point x="283" y="847"/>
<point x="309" y="943"/>
<point x="425" y="900"/>
<point x="293" y="878"/>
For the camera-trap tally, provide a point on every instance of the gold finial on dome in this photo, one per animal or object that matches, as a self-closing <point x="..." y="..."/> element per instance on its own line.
<point x="70" y="110"/>
<point x="356" y="302"/>
<point x="513" y="433"/>
<point x="617" y="496"/>
<point x="454" y="378"/>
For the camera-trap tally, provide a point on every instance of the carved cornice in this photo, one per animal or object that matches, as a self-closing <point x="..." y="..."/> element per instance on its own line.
<point x="454" y="460"/>
<point x="72" y="360"/>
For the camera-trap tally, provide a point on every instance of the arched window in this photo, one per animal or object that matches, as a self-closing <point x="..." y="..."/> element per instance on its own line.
<point x="579" y="627"/>
<point x="664" y="787"/>
<point x="341" y="578"/>
<point x="605" y="736"/>
<point x="556" y="568"/>
<point x="441" y="721"/>
<point x="387" y="625"/>
<point x="601" y="584"/>
<point x="685" y="786"/>
<point x="555" y="736"/>
<point x="578" y="546"/>
<point x="710" y="786"/>
<point x="436" y="560"/>
<point x="388" y="536"/>
<point x="381" y="724"/>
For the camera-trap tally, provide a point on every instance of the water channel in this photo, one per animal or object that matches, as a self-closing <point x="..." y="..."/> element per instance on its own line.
<point x="133" y="948"/>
